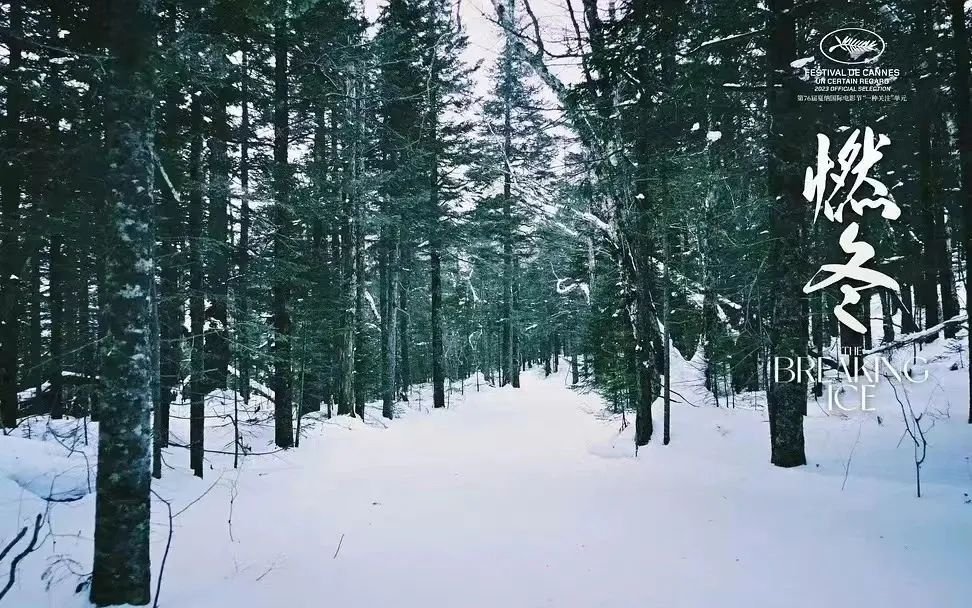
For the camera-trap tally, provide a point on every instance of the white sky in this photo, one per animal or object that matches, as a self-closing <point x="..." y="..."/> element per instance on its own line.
<point x="484" y="37"/>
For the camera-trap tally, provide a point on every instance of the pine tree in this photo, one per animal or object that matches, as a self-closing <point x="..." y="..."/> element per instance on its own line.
<point x="121" y="572"/>
<point x="11" y="262"/>
<point x="443" y="149"/>
<point x="512" y="166"/>
<point x="963" y="113"/>
<point x="281" y="381"/>
<point x="786" y="401"/>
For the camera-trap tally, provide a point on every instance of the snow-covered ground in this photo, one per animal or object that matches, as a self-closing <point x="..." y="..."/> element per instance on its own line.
<point x="529" y="498"/>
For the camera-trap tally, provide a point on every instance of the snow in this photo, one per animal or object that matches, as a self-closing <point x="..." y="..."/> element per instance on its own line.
<point x="42" y="469"/>
<point x="530" y="497"/>
<point x="563" y="288"/>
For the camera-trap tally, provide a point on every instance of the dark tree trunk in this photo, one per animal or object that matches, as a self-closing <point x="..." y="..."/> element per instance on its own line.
<point x="909" y="323"/>
<point x="645" y="373"/>
<point x="59" y="272"/>
<point x="666" y="335"/>
<point x="438" y="376"/>
<point x="345" y="397"/>
<point x="818" y="322"/>
<point x="435" y="268"/>
<point x="405" y="364"/>
<point x="516" y="355"/>
<point x="574" y="371"/>
<point x="926" y="292"/>
<point x="637" y="258"/>
<point x="360" y="363"/>
<point x="243" y="247"/>
<point x="197" y="296"/>
<point x="85" y="338"/>
<point x="172" y="233"/>
<point x="34" y="376"/>
<point x="946" y="274"/>
<point x="101" y="280"/>
<point x="887" y="317"/>
<point x="281" y="378"/>
<point x="963" y="114"/>
<point x="57" y="278"/>
<point x="390" y="318"/>
<point x="217" y="337"/>
<point x="787" y="324"/>
<point x="506" y="372"/>
<point x="10" y="262"/>
<point x="121" y="572"/>
<point x="346" y="254"/>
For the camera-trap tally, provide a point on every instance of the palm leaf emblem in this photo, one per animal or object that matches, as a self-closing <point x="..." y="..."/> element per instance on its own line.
<point x="854" y="47"/>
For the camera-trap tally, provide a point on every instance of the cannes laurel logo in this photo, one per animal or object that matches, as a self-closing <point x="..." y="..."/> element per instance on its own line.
<point x="852" y="46"/>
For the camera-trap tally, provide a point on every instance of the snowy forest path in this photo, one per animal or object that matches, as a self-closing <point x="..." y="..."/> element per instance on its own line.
<point x="527" y="498"/>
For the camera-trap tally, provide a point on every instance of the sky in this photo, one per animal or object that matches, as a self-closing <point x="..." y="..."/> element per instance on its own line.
<point x="485" y="40"/>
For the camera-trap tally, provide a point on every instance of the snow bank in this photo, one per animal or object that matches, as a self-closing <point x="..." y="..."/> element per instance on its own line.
<point x="532" y="497"/>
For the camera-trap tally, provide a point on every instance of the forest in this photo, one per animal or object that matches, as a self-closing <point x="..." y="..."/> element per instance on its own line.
<point x="302" y="208"/>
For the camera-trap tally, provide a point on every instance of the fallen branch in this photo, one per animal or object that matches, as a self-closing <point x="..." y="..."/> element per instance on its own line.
<point x="10" y="545"/>
<point x="165" y="555"/>
<point x="338" y="550"/>
<point x="727" y="39"/>
<point x="38" y="521"/>
<point x="918" y="335"/>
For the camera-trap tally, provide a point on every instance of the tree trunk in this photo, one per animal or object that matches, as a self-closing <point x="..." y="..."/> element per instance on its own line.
<point x="360" y="363"/>
<point x="666" y="334"/>
<point x="435" y="259"/>
<point x="946" y="274"/>
<point x="574" y="371"/>
<point x="280" y="351"/>
<point x="909" y="323"/>
<point x="506" y="373"/>
<point x="346" y="359"/>
<point x="405" y="365"/>
<point x="121" y="572"/>
<point x="438" y="376"/>
<point x="390" y="319"/>
<point x="217" y="338"/>
<point x="197" y="296"/>
<point x="10" y="262"/>
<point x="35" y="374"/>
<point x="786" y="401"/>
<point x="172" y="233"/>
<point x="56" y="302"/>
<point x="963" y="117"/>
<point x="927" y="287"/>
<point x="243" y="247"/>
<point x="887" y="317"/>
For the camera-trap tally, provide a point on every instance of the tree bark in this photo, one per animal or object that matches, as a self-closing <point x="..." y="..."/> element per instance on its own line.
<point x="666" y="334"/>
<point x="963" y="117"/>
<point x="57" y="279"/>
<point x="172" y="233"/>
<point x="405" y="365"/>
<point x="390" y="350"/>
<point x="197" y="296"/>
<point x="217" y="278"/>
<point x="10" y="262"/>
<point x="281" y="378"/>
<point x="786" y="401"/>
<point x="121" y="572"/>
<point x="243" y="247"/>
<point x="925" y="100"/>
<point x="438" y="376"/>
